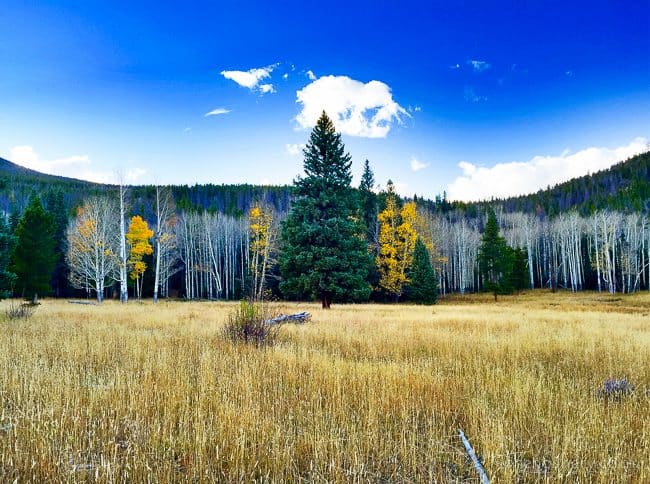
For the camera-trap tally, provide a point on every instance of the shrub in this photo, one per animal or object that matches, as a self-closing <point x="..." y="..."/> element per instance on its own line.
<point x="17" y="311"/>
<point x="247" y="324"/>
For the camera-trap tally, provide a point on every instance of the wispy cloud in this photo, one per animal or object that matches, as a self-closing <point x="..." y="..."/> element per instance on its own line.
<point x="311" y="75"/>
<point x="217" y="112"/>
<point x="357" y="109"/>
<point x="417" y="165"/>
<point x="252" y="78"/>
<point x="453" y="67"/>
<point x="187" y="129"/>
<point x="294" y="149"/>
<point x="479" y="65"/>
<point x="523" y="177"/>
<point x="471" y="96"/>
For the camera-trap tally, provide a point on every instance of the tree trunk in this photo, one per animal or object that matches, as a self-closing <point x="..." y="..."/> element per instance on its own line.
<point x="326" y="300"/>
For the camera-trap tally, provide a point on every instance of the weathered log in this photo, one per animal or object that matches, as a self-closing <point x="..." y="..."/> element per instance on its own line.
<point x="298" y="318"/>
<point x="90" y="303"/>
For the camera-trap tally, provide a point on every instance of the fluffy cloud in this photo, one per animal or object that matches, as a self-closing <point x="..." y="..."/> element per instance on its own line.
<point x="357" y="109"/>
<point x="294" y="149"/>
<point x="417" y="165"/>
<point x="217" y="112"/>
<point x="251" y="79"/>
<point x="479" y="65"/>
<point x="76" y="166"/>
<point x="523" y="177"/>
<point x="311" y="75"/>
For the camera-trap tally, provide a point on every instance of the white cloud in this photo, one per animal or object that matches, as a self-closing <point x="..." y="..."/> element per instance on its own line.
<point x="454" y="66"/>
<point x="134" y="174"/>
<point x="311" y="75"/>
<point x="251" y="78"/>
<point x="187" y="130"/>
<point x="417" y="165"/>
<point x="217" y="112"/>
<point x="294" y="149"/>
<point x="357" y="109"/>
<point x="479" y="65"/>
<point x="76" y="166"/>
<point x="266" y="88"/>
<point x="523" y="177"/>
<point x="285" y="76"/>
<point x="569" y="73"/>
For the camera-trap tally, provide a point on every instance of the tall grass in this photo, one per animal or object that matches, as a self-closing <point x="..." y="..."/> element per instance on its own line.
<point x="368" y="393"/>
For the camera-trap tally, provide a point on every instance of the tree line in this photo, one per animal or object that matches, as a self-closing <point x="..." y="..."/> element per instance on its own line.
<point x="334" y="243"/>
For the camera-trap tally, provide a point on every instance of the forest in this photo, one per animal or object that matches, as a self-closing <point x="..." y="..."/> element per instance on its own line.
<point x="232" y="241"/>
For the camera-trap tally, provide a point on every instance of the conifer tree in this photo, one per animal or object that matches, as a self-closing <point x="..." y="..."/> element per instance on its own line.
<point x="423" y="288"/>
<point x="7" y="242"/>
<point x="325" y="254"/>
<point x="495" y="259"/>
<point x="369" y="204"/>
<point x="520" y="274"/>
<point x="55" y="205"/>
<point x="34" y="257"/>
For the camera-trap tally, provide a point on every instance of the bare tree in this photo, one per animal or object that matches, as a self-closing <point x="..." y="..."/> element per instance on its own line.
<point x="124" y="294"/>
<point x="164" y="239"/>
<point x="93" y="245"/>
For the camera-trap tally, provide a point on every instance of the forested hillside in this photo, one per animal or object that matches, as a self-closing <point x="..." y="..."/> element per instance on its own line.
<point x="224" y="241"/>
<point x="624" y="187"/>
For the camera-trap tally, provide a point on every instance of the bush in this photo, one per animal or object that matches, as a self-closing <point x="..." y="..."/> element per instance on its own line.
<point x="247" y="324"/>
<point x="17" y="311"/>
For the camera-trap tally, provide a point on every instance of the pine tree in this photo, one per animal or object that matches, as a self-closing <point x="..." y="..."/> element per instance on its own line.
<point x="423" y="288"/>
<point x="520" y="275"/>
<point x="7" y="242"/>
<point x="34" y="257"/>
<point x="325" y="254"/>
<point x="55" y="205"/>
<point x="369" y="204"/>
<point x="495" y="259"/>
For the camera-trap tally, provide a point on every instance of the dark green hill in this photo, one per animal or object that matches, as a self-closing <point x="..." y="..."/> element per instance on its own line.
<point x="623" y="187"/>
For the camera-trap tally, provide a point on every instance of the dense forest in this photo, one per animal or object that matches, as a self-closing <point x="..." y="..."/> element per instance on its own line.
<point x="227" y="241"/>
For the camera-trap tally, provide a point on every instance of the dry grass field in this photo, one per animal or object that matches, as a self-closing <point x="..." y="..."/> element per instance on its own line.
<point x="363" y="393"/>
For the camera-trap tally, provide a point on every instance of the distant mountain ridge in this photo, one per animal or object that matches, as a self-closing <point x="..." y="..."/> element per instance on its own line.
<point x="625" y="187"/>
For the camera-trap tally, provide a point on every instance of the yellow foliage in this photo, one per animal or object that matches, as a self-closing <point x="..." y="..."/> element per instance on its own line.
<point x="397" y="238"/>
<point x="138" y="238"/>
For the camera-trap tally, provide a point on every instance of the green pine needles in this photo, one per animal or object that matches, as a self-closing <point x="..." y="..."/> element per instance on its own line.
<point x="325" y="254"/>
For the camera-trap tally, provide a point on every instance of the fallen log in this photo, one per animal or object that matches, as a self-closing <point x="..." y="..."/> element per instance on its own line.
<point x="475" y="460"/>
<point x="298" y="318"/>
<point x="90" y="303"/>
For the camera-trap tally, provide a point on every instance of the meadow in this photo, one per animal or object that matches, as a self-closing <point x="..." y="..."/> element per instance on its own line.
<point x="140" y="392"/>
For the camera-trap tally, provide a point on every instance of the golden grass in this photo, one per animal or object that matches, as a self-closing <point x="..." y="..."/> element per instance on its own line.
<point x="364" y="393"/>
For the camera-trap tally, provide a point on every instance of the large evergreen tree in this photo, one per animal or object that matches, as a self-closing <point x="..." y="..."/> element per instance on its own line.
<point x="34" y="257"/>
<point x="7" y="241"/>
<point x="55" y="205"/>
<point x="495" y="259"/>
<point x="325" y="255"/>
<point x="423" y="288"/>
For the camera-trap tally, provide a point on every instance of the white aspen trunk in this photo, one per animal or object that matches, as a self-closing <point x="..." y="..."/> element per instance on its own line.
<point x="124" y="295"/>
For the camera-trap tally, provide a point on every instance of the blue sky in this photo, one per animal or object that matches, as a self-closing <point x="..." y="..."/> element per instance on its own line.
<point x="476" y="98"/>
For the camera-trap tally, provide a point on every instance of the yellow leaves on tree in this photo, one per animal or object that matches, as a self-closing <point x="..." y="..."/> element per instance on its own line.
<point x="397" y="237"/>
<point x="138" y="239"/>
<point x="261" y="238"/>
